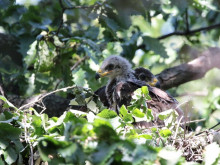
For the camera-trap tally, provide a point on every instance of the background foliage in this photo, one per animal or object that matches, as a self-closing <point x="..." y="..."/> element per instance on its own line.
<point x="62" y="43"/>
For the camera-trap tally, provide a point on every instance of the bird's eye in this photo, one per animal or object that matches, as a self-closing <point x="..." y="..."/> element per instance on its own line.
<point x="109" y="67"/>
<point x="142" y="77"/>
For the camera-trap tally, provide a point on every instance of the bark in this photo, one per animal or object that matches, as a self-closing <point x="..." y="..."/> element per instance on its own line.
<point x="193" y="70"/>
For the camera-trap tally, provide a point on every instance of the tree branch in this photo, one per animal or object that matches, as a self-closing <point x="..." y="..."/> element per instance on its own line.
<point x="193" y="70"/>
<point x="190" y="32"/>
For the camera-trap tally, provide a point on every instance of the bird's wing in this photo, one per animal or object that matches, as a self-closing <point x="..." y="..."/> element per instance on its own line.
<point x="155" y="92"/>
<point x="102" y="96"/>
<point x="162" y="95"/>
<point x="123" y="92"/>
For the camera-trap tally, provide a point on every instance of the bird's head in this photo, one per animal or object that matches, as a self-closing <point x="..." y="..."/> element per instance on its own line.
<point x="144" y="74"/>
<point x="114" y="66"/>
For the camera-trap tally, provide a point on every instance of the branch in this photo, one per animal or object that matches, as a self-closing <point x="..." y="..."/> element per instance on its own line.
<point x="43" y="96"/>
<point x="193" y="70"/>
<point x="79" y="62"/>
<point x="189" y="32"/>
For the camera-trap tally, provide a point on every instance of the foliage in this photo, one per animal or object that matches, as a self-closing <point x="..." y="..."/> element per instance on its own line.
<point x="76" y="138"/>
<point x="105" y="138"/>
<point x="60" y="43"/>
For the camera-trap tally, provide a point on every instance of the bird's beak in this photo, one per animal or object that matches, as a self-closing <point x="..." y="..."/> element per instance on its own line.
<point x="154" y="82"/>
<point x="100" y="74"/>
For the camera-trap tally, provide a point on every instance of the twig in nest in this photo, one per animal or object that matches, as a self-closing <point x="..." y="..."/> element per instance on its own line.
<point x="208" y="129"/>
<point x="176" y="131"/>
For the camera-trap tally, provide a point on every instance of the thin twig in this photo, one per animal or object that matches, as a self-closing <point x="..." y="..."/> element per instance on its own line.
<point x="208" y="129"/>
<point x="190" y="32"/>
<point x="177" y="130"/>
<point x="41" y="97"/>
<point x="79" y="62"/>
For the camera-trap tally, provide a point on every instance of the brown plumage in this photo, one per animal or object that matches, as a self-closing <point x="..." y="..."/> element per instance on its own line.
<point x="123" y="82"/>
<point x="140" y="73"/>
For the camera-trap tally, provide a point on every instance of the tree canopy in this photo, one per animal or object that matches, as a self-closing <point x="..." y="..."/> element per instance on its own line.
<point x="50" y="52"/>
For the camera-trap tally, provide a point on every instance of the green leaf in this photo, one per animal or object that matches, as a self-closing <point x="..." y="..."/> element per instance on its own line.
<point x="109" y="23"/>
<point x="10" y="155"/>
<point x="146" y="136"/>
<point x="136" y="112"/>
<point x="31" y="54"/>
<point x="123" y="111"/>
<point x="144" y="90"/>
<point x="49" y="146"/>
<point x="154" y="45"/>
<point x="143" y="152"/>
<point x="47" y="53"/>
<point x="107" y="114"/>
<point x="149" y="114"/>
<point x="103" y="153"/>
<point x="4" y="143"/>
<point x="165" y="114"/>
<point x="128" y="118"/>
<point x="37" y="124"/>
<point x="79" y="78"/>
<point x="165" y="132"/>
<point x="57" y="42"/>
<point x="7" y="131"/>
<point x="68" y="151"/>
<point x="7" y="103"/>
<point x="104" y="130"/>
<point x="18" y="145"/>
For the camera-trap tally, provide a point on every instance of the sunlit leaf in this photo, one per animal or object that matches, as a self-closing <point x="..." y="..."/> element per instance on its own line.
<point x="165" y="132"/>
<point x="144" y="90"/>
<point x="136" y="112"/>
<point x="108" y="114"/>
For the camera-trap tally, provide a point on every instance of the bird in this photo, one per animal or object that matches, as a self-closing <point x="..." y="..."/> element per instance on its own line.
<point x="122" y="82"/>
<point x="140" y="73"/>
<point x="144" y="74"/>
